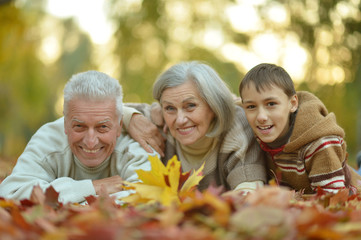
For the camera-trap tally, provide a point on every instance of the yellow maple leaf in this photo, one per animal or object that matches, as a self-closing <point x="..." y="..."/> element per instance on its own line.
<point x="164" y="184"/>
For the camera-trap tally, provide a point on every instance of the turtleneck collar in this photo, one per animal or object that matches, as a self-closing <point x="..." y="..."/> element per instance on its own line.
<point x="198" y="149"/>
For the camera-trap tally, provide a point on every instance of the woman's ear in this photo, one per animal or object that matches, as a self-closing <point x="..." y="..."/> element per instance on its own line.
<point x="294" y="103"/>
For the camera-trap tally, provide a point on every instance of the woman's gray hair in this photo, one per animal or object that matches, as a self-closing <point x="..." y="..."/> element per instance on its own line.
<point x="94" y="86"/>
<point x="211" y="87"/>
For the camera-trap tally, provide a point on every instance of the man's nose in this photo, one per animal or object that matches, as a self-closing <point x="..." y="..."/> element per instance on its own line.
<point x="91" y="139"/>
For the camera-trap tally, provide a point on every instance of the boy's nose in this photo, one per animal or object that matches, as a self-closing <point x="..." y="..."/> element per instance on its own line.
<point x="261" y="116"/>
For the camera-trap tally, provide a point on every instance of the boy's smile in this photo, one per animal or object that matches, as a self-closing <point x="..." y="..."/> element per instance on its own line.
<point x="268" y="111"/>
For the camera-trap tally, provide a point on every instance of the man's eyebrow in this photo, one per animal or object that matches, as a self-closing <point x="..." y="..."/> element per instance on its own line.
<point x="77" y="120"/>
<point x="104" y="121"/>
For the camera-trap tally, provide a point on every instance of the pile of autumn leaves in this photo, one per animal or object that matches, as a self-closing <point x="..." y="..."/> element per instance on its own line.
<point x="167" y="206"/>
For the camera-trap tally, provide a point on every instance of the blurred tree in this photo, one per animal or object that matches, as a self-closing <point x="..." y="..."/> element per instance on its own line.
<point x="155" y="34"/>
<point x="29" y="80"/>
<point x="39" y="53"/>
<point x="331" y="32"/>
<point x="22" y="83"/>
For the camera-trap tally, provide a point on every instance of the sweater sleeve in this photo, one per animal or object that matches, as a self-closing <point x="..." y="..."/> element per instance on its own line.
<point x="127" y="115"/>
<point x="325" y="162"/>
<point x="134" y="157"/>
<point x="30" y="171"/>
<point x="245" y="161"/>
<point x="46" y="160"/>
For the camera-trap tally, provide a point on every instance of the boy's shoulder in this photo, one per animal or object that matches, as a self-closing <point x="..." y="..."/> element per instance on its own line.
<point x="313" y="121"/>
<point x="306" y="96"/>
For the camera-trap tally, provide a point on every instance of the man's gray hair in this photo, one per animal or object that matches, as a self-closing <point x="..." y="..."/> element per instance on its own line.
<point x="211" y="87"/>
<point x="94" y="86"/>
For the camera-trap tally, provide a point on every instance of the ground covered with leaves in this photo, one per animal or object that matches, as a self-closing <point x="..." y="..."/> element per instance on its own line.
<point x="179" y="211"/>
<point x="269" y="213"/>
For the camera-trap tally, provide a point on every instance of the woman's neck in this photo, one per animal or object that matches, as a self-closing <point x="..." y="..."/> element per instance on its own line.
<point x="199" y="148"/>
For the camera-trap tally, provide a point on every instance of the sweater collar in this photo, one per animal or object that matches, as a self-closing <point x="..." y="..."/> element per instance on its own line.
<point x="95" y="169"/>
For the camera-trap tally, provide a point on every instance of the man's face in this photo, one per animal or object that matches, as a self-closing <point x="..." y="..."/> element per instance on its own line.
<point x="92" y="129"/>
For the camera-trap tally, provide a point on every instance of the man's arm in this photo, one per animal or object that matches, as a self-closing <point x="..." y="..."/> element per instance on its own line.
<point x="143" y="129"/>
<point x="47" y="160"/>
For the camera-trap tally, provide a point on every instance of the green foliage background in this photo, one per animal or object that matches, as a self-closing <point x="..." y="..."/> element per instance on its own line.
<point x="148" y="38"/>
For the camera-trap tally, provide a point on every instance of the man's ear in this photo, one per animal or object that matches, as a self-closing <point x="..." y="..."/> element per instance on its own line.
<point x="294" y="103"/>
<point x="119" y="130"/>
<point x="65" y="129"/>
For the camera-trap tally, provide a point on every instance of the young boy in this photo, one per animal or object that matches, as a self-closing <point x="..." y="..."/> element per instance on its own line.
<point x="304" y="145"/>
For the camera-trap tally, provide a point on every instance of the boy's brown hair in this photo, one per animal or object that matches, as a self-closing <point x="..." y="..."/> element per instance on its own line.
<point x="266" y="75"/>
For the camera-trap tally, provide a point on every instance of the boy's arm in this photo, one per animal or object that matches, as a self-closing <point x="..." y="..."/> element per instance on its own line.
<point x="325" y="164"/>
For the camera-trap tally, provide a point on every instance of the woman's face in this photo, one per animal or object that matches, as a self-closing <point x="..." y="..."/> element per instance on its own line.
<point x="186" y="114"/>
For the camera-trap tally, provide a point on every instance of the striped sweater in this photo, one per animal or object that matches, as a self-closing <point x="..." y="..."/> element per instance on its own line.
<point x="315" y="155"/>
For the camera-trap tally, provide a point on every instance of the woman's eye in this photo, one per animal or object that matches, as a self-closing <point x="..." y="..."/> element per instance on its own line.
<point x="169" y="108"/>
<point x="191" y="105"/>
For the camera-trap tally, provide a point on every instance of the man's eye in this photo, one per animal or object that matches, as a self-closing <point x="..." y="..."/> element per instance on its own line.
<point x="103" y="128"/>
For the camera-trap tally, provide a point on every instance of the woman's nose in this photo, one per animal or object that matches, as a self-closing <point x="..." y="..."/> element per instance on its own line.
<point x="181" y="117"/>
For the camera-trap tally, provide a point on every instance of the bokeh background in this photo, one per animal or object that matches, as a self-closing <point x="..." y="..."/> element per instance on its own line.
<point x="43" y="43"/>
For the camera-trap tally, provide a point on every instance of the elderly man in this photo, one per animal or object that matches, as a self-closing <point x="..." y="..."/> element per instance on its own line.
<point x="82" y="151"/>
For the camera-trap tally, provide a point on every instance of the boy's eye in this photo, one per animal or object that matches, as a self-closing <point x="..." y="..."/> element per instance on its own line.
<point x="250" y="106"/>
<point x="271" y="104"/>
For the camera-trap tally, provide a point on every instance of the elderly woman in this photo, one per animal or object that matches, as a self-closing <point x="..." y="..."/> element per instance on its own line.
<point x="205" y="126"/>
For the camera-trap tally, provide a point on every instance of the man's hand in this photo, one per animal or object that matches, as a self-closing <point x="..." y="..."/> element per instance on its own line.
<point x="111" y="184"/>
<point x="142" y="130"/>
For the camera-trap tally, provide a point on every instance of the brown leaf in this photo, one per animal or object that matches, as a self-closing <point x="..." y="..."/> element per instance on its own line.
<point x="51" y="197"/>
<point x="339" y="198"/>
<point x="37" y="195"/>
<point x="271" y="196"/>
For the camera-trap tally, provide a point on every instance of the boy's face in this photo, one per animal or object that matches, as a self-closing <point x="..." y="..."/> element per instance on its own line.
<point x="268" y="111"/>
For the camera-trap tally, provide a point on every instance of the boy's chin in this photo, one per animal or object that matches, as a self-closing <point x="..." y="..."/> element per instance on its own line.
<point x="266" y="139"/>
